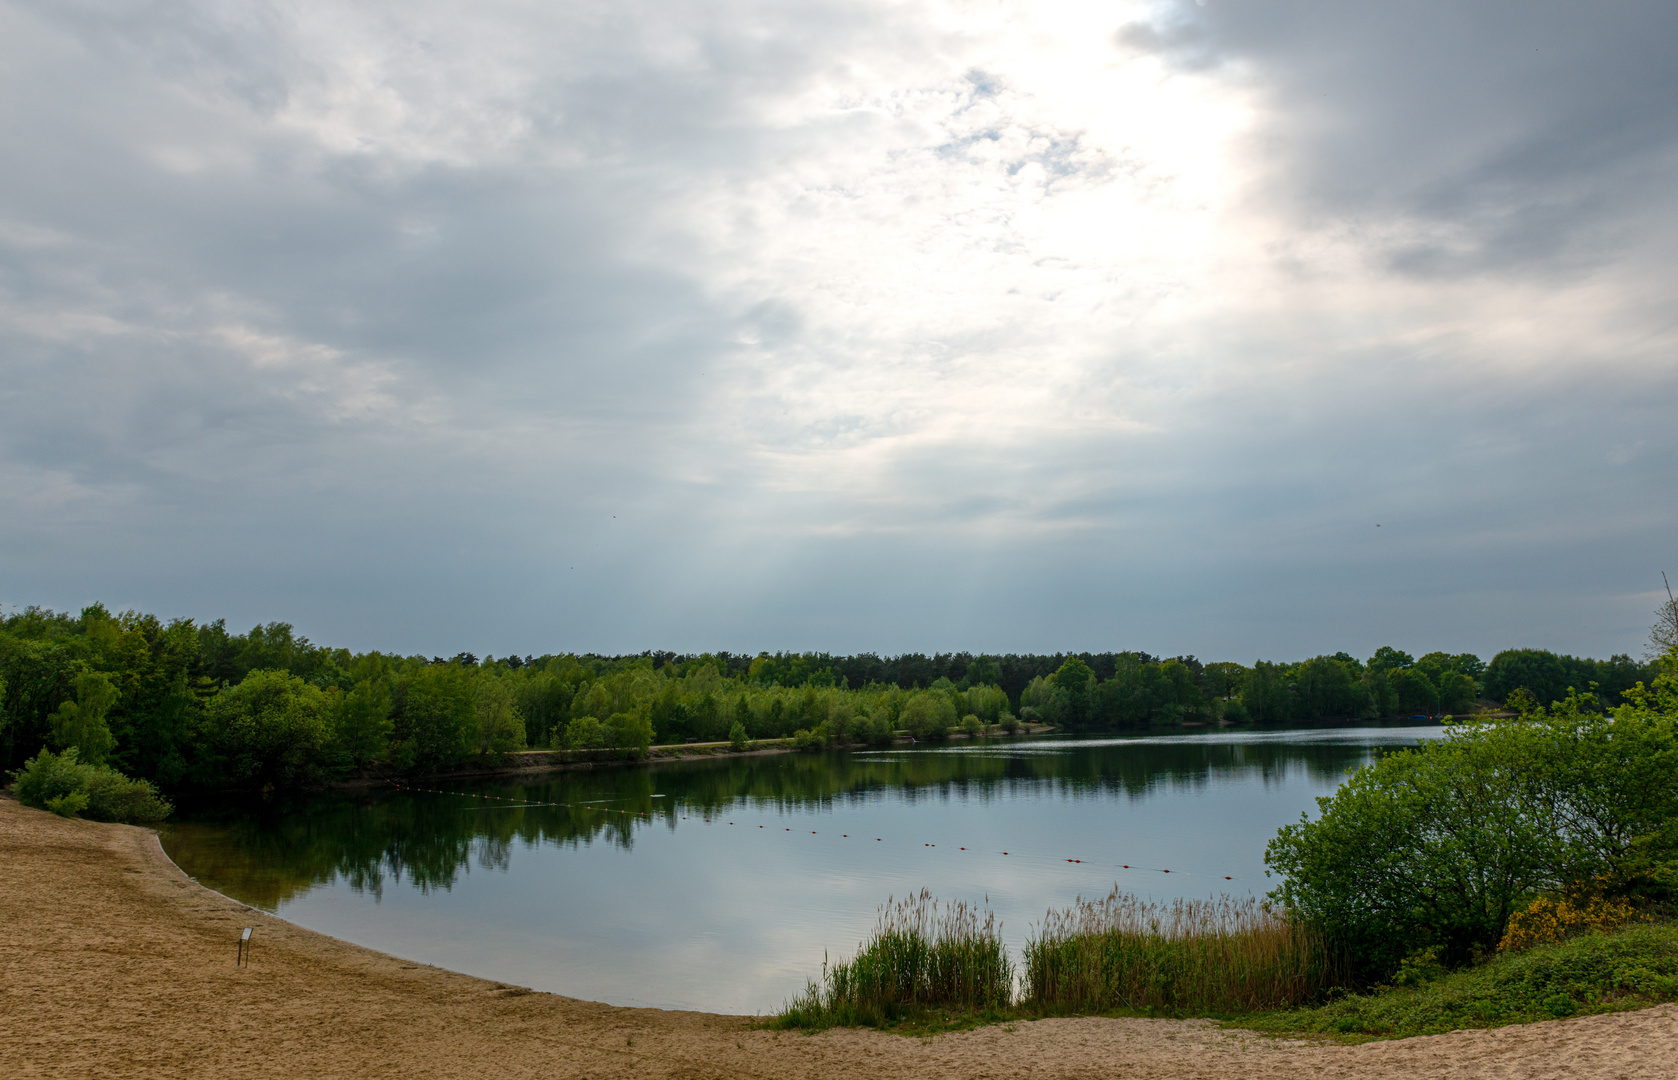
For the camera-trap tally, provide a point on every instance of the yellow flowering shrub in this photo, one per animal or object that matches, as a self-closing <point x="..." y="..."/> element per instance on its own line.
<point x="1550" y="918"/>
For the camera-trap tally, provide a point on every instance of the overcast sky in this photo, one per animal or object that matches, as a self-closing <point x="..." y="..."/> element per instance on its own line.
<point x="1245" y="329"/>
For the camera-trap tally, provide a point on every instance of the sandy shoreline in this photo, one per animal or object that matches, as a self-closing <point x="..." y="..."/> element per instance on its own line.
<point x="113" y="963"/>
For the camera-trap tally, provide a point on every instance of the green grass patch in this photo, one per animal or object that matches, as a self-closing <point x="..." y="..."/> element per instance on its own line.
<point x="1631" y="968"/>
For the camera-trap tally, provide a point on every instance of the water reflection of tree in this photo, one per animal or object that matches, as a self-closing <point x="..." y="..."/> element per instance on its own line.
<point x="267" y="853"/>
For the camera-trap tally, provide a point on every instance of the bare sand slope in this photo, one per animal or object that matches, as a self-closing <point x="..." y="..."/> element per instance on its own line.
<point x="115" y="964"/>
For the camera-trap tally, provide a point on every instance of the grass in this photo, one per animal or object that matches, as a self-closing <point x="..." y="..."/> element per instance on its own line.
<point x="928" y="965"/>
<point x="1216" y="957"/>
<point x="930" y="968"/>
<point x="1631" y="968"/>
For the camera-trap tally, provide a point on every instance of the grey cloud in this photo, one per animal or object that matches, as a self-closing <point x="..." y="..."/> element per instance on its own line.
<point x="446" y="390"/>
<point x="1539" y="128"/>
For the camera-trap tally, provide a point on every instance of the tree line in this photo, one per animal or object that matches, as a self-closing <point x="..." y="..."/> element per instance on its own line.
<point x="192" y="705"/>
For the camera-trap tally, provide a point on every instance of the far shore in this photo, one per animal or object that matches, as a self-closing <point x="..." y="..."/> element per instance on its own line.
<point x="527" y="763"/>
<point x="530" y="763"/>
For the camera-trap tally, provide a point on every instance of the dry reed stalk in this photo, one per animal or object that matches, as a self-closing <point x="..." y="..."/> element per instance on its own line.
<point x="1220" y="956"/>
<point x="922" y="954"/>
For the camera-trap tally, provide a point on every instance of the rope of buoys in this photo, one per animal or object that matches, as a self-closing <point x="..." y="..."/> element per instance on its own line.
<point x="708" y="821"/>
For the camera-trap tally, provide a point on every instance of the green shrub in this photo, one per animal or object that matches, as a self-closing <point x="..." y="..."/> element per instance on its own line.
<point x="68" y="805"/>
<point x="1631" y="968"/>
<point x="1438" y="846"/>
<point x="737" y="738"/>
<point x="971" y="725"/>
<point x="65" y="785"/>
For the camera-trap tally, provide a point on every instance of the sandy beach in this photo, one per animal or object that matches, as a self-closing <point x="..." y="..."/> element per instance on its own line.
<point x="116" y="964"/>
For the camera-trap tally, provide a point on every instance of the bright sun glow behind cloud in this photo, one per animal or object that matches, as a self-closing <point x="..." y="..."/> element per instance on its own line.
<point x="851" y="325"/>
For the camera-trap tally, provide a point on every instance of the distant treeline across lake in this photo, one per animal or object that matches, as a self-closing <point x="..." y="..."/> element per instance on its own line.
<point x="191" y="705"/>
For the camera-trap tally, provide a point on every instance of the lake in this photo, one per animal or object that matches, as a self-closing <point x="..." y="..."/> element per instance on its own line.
<point x="721" y="884"/>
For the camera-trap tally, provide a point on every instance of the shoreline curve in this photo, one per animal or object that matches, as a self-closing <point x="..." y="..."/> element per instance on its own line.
<point x="114" y="963"/>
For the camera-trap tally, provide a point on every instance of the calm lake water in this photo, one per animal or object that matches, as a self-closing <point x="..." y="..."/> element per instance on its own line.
<point x="720" y="885"/>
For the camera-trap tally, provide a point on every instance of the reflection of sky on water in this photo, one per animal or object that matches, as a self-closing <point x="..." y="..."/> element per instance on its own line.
<point x="764" y="865"/>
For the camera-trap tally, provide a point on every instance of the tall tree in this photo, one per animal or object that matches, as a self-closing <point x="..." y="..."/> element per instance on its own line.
<point x="81" y="723"/>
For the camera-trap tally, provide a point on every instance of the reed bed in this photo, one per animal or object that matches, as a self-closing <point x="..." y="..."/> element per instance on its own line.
<point x="1186" y="957"/>
<point x="923" y="955"/>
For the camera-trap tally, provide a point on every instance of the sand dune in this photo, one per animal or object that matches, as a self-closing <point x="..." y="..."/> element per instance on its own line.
<point x="115" y="964"/>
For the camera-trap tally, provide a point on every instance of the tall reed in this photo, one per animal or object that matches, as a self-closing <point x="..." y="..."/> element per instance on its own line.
<point x="1219" y="956"/>
<point x="923" y="954"/>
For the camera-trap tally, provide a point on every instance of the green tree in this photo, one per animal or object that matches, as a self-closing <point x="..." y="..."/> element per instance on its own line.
<point x="271" y="729"/>
<point x="1457" y="692"/>
<point x="1538" y="671"/>
<point x="1387" y="658"/>
<point x="1326" y="687"/>
<point x="81" y="723"/>
<point x="585" y="733"/>
<point x="1414" y="691"/>
<point x="544" y="700"/>
<point x="928" y="715"/>
<point x="364" y="724"/>
<point x="737" y="736"/>
<point x="1076" y="681"/>
<point x="500" y="728"/>
<point x="982" y="671"/>
<point x="436" y="717"/>
<point x="629" y="732"/>
<point x="1267" y="696"/>
<point x="1043" y="702"/>
<point x="988" y="703"/>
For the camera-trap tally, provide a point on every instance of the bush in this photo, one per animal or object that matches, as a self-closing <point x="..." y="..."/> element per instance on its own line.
<point x="68" y="805"/>
<point x="67" y="786"/>
<point x="1440" y="845"/>
<point x="737" y="739"/>
<point x="1596" y="973"/>
<point x="971" y="725"/>
<point x="1557" y="918"/>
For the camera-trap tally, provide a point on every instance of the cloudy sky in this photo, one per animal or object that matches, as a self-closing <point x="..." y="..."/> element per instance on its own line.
<point x="1245" y="328"/>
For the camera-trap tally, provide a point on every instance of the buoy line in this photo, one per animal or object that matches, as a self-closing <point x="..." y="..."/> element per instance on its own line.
<point x="511" y="805"/>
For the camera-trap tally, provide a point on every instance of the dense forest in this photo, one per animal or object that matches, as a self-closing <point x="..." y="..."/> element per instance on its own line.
<point x="188" y="705"/>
